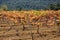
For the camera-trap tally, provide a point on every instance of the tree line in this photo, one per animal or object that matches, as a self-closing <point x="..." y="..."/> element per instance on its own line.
<point x="55" y="6"/>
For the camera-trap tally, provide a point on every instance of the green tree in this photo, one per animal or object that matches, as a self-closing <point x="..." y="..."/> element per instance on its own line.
<point x="55" y="6"/>
<point x="3" y="7"/>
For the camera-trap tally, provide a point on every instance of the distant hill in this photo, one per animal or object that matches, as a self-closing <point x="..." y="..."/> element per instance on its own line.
<point x="27" y="4"/>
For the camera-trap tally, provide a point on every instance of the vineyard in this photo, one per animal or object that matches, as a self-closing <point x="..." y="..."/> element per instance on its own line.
<point x="30" y="25"/>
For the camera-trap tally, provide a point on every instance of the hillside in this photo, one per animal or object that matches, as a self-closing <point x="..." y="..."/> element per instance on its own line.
<point x="30" y="25"/>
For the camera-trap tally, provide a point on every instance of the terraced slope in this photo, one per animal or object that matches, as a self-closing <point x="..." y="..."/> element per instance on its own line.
<point x="25" y="25"/>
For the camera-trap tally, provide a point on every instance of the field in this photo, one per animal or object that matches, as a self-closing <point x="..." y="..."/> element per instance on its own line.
<point x="30" y="25"/>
